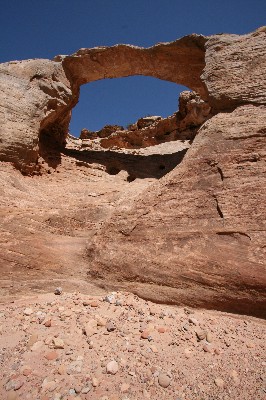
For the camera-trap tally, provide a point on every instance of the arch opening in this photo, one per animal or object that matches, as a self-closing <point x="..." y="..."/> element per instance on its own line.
<point x="171" y="64"/>
<point x="189" y="112"/>
<point x="122" y="102"/>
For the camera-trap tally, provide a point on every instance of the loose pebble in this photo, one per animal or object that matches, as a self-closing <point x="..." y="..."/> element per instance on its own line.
<point x="51" y="355"/>
<point x="28" y="311"/>
<point x="164" y="380"/>
<point x="112" y="367"/>
<point x="201" y="334"/>
<point x="58" y="343"/>
<point x="58" y="291"/>
<point x="219" y="382"/>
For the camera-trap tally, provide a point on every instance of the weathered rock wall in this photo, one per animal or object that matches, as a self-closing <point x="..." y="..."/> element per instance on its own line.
<point x="35" y="96"/>
<point x="235" y="70"/>
<point x="198" y="235"/>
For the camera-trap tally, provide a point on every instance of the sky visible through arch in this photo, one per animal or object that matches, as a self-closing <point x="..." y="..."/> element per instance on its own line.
<point x="122" y="101"/>
<point x="43" y="29"/>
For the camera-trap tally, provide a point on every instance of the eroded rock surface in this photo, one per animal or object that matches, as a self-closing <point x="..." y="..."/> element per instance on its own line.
<point x="149" y="131"/>
<point x="181" y="222"/>
<point x="196" y="236"/>
<point x="38" y="95"/>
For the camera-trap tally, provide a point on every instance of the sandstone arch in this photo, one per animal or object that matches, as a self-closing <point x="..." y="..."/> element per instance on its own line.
<point x="41" y="93"/>
<point x="38" y="95"/>
<point x="180" y="62"/>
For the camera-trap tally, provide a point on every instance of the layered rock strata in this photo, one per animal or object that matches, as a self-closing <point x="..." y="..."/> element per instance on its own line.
<point x="192" y="232"/>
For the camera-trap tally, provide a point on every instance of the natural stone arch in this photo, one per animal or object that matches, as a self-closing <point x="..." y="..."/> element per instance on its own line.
<point x="181" y="62"/>
<point x="50" y="89"/>
<point x="38" y="95"/>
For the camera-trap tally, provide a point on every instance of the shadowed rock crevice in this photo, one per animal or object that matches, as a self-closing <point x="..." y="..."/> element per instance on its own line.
<point x="136" y="165"/>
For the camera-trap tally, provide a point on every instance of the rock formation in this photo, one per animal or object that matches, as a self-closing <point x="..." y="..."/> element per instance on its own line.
<point x="185" y="227"/>
<point x="153" y="130"/>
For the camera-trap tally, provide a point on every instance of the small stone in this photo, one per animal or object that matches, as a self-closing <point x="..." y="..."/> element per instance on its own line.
<point x="40" y="316"/>
<point x="94" y="381"/>
<point x="235" y="377"/>
<point x="209" y="337"/>
<point x="110" y="299"/>
<point x="61" y="369"/>
<point x="75" y="367"/>
<point x="201" y="335"/>
<point x="25" y="370"/>
<point x="78" y="389"/>
<point x="234" y="374"/>
<point x="207" y="348"/>
<point x="14" y="384"/>
<point x="153" y="311"/>
<point x="124" y="388"/>
<point x="161" y="329"/>
<point x="219" y="382"/>
<point x="33" y="339"/>
<point x="37" y="345"/>
<point x="193" y="321"/>
<point x="187" y="352"/>
<point x="94" y="304"/>
<point x="50" y="386"/>
<point x="154" y="349"/>
<point x="58" y="343"/>
<point x="185" y="327"/>
<point x="48" y="323"/>
<point x="188" y="311"/>
<point x="164" y="380"/>
<point x="90" y="327"/>
<point x="58" y="291"/>
<point x="250" y="345"/>
<point x="145" y="334"/>
<point x="110" y="326"/>
<point x="28" y="311"/>
<point x="100" y="321"/>
<point x="86" y="389"/>
<point x="51" y="355"/>
<point x="112" y="367"/>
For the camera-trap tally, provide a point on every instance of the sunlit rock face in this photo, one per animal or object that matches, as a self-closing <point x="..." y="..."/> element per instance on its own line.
<point x="180" y="222"/>
<point x="153" y="130"/>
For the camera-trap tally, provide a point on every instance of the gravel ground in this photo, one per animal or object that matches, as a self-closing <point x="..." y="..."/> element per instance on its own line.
<point x="120" y="347"/>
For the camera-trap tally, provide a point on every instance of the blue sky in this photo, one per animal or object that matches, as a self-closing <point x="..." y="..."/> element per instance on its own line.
<point x="42" y="29"/>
